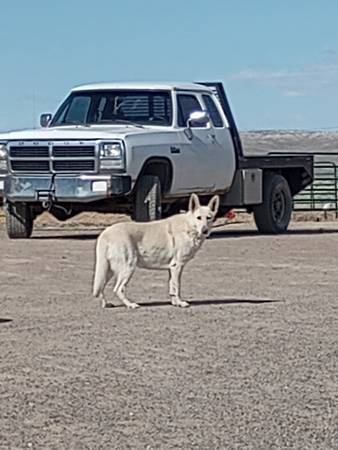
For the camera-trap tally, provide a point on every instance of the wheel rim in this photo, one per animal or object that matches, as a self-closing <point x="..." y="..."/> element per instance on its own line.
<point x="278" y="206"/>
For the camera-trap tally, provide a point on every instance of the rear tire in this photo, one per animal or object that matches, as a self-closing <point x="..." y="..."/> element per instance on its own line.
<point x="274" y="214"/>
<point x="147" y="203"/>
<point x="19" y="221"/>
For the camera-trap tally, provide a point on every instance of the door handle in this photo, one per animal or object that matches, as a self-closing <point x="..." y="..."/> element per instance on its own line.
<point x="175" y="149"/>
<point x="211" y="137"/>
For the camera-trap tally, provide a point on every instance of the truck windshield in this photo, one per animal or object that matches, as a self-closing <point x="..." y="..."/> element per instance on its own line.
<point x="115" y="107"/>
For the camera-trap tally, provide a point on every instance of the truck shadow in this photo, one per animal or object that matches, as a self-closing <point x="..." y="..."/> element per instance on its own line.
<point x="253" y="233"/>
<point x="216" y="234"/>
<point x="72" y="237"/>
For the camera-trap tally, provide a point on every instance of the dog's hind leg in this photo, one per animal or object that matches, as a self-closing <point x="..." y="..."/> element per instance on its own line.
<point x="104" y="302"/>
<point x="107" y="276"/>
<point x="123" y="278"/>
<point x="175" y="273"/>
<point x="103" y="274"/>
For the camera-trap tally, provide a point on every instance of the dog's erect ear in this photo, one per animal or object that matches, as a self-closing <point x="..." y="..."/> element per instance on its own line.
<point x="194" y="203"/>
<point x="214" y="204"/>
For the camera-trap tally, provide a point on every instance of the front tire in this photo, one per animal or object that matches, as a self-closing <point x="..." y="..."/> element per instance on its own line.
<point x="19" y="220"/>
<point x="147" y="202"/>
<point x="274" y="214"/>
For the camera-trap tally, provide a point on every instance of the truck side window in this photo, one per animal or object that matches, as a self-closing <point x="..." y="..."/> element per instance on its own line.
<point x="186" y="105"/>
<point x="215" y="116"/>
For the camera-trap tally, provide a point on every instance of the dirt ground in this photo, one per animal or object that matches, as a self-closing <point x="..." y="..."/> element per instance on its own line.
<point x="252" y="364"/>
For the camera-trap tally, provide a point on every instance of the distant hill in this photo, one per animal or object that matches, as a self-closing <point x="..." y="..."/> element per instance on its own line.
<point x="265" y="141"/>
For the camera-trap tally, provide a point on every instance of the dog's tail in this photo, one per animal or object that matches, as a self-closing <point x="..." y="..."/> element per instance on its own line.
<point x="101" y="267"/>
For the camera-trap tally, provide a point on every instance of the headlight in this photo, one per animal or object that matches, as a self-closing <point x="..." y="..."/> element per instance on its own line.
<point x="3" y="151"/>
<point x="111" y="151"/>
<point x="3" y="156"/>
<point x="112" y="155"/>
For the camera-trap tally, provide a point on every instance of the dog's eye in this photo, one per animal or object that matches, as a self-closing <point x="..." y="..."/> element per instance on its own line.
<point x="199" y="217"/>
<point x="209" y="217"/>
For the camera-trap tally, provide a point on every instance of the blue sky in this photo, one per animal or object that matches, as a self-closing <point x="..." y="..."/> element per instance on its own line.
<point x="278" y="59"/>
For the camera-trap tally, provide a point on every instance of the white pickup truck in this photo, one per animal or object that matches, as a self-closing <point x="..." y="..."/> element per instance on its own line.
<point x="142" y="148"/>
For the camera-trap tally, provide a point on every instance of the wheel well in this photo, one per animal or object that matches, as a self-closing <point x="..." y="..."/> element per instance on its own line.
<point x="295" y="176"/>
<point x="162" y="168"/>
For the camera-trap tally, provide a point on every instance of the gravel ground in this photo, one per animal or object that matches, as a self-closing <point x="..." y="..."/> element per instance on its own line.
<point x="252" y="364"/>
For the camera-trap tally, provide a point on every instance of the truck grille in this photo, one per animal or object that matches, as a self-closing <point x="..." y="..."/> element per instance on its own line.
<point x="30" y="166"/>
<point x="73" y="151"/>
<point x="29" y="152"/>
<point x="54" y="157"/>
<point x="74" y="166"/>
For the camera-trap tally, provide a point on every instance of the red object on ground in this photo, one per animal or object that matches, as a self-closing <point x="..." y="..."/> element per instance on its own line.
<point x="230" y="215"/>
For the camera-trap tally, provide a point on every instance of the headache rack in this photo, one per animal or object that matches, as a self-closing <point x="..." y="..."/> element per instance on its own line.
<point x="218" y="89"/>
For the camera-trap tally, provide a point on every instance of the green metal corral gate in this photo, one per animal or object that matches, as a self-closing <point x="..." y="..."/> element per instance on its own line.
<point x="322" y="194"/>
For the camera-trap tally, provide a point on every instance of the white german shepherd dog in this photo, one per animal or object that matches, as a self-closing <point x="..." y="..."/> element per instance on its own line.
<point x="166" y="244"/>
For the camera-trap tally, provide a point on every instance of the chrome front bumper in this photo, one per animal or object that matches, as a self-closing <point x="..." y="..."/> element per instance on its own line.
<point x="63" y="188"/>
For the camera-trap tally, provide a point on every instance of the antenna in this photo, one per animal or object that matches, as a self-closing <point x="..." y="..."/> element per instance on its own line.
<point x="34" y="107"/>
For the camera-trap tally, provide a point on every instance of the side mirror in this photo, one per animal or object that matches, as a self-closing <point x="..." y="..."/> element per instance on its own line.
<point x="198" y="119"/>
<point x="45" y="120"/>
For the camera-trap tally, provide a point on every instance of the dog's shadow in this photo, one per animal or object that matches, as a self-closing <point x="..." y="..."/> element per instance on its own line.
<point x="205" y="302"/>
<point x="3" y="320"/>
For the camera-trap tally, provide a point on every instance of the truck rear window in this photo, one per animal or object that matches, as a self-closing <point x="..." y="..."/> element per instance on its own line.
<point x="215" y="116"/>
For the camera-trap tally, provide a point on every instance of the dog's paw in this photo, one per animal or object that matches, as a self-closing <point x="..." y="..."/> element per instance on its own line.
<point x="133" y="306"/>
<point x="180" y="303"/>
<point x="107" y="305"/>
<point x="183" y="304"/>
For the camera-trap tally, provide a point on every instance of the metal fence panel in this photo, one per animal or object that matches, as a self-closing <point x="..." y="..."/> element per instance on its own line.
<point x="322" y="194"/>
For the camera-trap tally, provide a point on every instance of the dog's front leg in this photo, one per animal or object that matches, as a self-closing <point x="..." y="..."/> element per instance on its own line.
<point x="175" y="273"/>
<point x="120" y="287"/>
